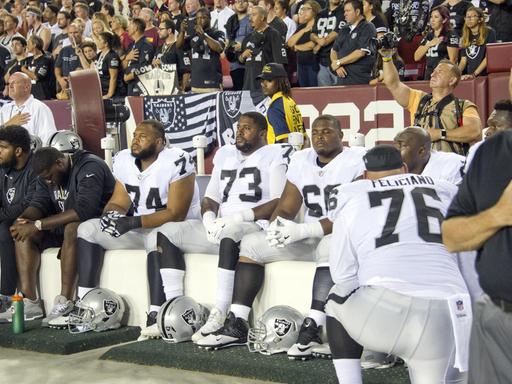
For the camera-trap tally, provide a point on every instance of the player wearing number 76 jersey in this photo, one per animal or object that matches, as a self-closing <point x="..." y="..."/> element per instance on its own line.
<point x="397" y="288"/>
<point x="159" y="184"/>
<point x="244" y="188"/>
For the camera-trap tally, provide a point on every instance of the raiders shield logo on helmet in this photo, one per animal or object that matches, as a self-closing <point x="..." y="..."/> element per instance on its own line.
<point x="282" y="326"/>
<point x="11" y="192"/>
<point x="189" y="316"/>
<point x="110" y="307"/>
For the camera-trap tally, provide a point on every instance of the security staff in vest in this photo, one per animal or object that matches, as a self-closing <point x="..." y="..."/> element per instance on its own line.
<point x="453" y="124"/>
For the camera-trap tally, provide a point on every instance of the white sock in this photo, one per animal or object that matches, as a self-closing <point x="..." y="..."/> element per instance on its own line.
<point x="318" y="316"/>
<point x="82" y="291"/>
<point x="348" y="371"/>
<point x="225" y="283"/>
<point x="172" y="279"/>
<point x="154" y="308"/>
<point x="241" y="311"/>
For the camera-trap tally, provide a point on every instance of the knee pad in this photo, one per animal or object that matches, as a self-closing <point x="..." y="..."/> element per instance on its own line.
<point x="229" y="252"/>
<point x="172" y="257"/>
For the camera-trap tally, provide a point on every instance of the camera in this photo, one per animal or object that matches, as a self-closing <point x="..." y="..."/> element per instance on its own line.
<point x="387" y="41"/>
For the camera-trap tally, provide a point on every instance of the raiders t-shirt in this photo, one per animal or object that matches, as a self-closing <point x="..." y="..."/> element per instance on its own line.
<point x="326" y="22"/>
<point x="146" y="52"/>
<point x="438" y="52"/>
<point x="103" y="64"/>
<point x="476" y="53"/>
<point x="44" y="88"/>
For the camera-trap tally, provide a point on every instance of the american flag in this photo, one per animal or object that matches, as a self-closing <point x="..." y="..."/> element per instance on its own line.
<point x="184" y="117"/>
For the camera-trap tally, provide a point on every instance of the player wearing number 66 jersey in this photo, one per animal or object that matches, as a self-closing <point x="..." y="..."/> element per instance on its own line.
<point x="397" y="289"/>
<point x="243" y="191"/>
<point x="159" y="184"/>
<point x="312" y="174"/>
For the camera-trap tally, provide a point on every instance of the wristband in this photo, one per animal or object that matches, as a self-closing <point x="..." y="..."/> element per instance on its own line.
<point x="387" y="59"/>
<point x="247" y="215"/>
<point x="208" y="217"/>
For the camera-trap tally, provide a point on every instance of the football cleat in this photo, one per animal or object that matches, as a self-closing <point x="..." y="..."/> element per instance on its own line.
<point x="309" y="337"/>
<point x="322" y="351"/>
<point x="151" y="330"/>
<point x="214" y="323"/>
<point x="58" y="316"/>
<point x="232" y="333"/>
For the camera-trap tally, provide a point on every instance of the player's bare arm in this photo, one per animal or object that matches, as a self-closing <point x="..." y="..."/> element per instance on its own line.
<point x="120" y="200"/>
<point x="209" y="205"/>
<point x="289" y="204"/>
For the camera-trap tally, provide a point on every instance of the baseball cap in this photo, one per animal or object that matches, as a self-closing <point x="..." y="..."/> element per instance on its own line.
<point x="272" y="71"/>
<point x="382" y="158"/>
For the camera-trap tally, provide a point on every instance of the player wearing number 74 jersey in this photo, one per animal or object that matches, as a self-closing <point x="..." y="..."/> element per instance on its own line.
<point x="159" y="184"/>
<point x="397" y="289"/>
<point x="244" y="188"/>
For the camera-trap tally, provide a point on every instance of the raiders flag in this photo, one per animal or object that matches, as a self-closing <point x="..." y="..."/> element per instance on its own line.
<point x="157" y="81"/>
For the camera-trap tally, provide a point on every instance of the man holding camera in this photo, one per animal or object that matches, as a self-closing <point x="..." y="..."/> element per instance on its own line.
<point x="352" y="59"/>
<point x="452" y="123"/>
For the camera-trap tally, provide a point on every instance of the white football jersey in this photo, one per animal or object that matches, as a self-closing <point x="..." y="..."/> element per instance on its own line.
<point x="387" y="232"/>
<point x="315" y="183"/>
<point x="240" y="182"/>
<point x="445" y="166"/>
<point x="149" y="189"/>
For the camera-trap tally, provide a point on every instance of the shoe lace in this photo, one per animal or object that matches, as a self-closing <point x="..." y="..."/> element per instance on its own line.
<point x="59" y="308"/>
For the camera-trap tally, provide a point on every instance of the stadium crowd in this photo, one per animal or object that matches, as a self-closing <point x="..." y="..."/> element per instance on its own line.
<point x="372" y="219"/>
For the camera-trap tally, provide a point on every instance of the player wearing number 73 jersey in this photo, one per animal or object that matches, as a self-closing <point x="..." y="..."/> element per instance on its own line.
<point x="244" y="188"/>
<point x="397" y="289"/>
<point x="159" y="184"/>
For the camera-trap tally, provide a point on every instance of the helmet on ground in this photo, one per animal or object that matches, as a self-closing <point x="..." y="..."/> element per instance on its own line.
<point x="66" y="141"/>
<point x="35" y="143"/>
<point x="99" y="310"/>
<point x="276" y="331"/>
<point x="179" y="318"/>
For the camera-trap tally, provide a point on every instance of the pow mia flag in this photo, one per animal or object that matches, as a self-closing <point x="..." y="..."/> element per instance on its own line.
<point x="157" y="81"/>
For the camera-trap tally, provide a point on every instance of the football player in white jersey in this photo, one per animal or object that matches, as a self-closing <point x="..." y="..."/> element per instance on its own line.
<point x="243" y="191"/>
<point x="312" y="174"/>
<point x="159" y="184"/>
<point x="397" y="289"/>
<point x="414" y="144"/>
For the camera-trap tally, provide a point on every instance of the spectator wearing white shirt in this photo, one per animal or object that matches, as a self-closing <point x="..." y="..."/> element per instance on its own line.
<point x="281" y="9"/>
<point x="220" y="15"/>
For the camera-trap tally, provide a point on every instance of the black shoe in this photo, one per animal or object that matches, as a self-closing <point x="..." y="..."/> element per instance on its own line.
<point x="234" y="332"/>
<point x="309" y="337"/>
<point x="151" y="318"/>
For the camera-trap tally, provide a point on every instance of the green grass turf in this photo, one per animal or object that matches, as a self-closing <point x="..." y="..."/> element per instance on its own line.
<point x="238" y="361"/>
<point x="61" y="342"/>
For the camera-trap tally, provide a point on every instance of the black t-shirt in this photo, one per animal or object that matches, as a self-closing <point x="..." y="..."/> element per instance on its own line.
<point x="305" y="57"/>
<point x="280" y="26"/>
<point x="476" y="53"/>
<point x="347" y="42"/>
<point x="67" y="60"/>
<point x="267" y="47"/>
<point x="44" y="88"/>
<point x="103" y="64"/>
<point x="440" y="51"/>
<point x="487" y="177"/>
<point x="326" y="22"/>
<point x="146" y="52"/>
<point x="5" y="57"/>
<point x="206" y="71"/>
<point x="457" y="13"/>
<point x="379" y="24"/>
<point x="170" y="54"/>
<point x="501" y="20"/>
<point x="15" y="65"/>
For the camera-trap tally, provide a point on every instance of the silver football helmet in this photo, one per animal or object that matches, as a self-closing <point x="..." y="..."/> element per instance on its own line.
<point x="66" y="141"/>
<point x="179" y="318"/>
<point x="35" y="143"/>
<point x="276" y="331"/>
<point x="99" y="310"/>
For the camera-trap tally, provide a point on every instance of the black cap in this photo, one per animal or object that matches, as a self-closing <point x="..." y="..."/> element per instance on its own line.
<point x="272" y="71"/>
<point x="383" y="158"/>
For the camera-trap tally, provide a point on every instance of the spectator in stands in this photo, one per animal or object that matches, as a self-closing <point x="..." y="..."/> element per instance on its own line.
<point x="457" y="10"/>
<point x="140" y="55"/>
<point x="98" y="27"/>
<point x="352" y="58"/>
<point x="86" y="53"/>
<point x="281" y="9"/>
<point x="40" y="69"/>
<point x="19" y="50"/>
<point x="27" y="111"/>
<point x="34" y="18"/>
<point x="261" y="47"/>
<point x="408" y="18"/>
<point x="50" y="17"/>
<point x="373" y="14"/>
<point x="151" y="32"/>
<point x="5" y="57"/>
<point x="67" y="60"/>
<point x="325" y="31"/>
<point x="500" y="15"/>
<point x="16" y="173"/>
<point x="102" y="17"/>
<point x="71" y="188"/>
<point x="82" y="12"/>
<point x="108" y="65"/>
<point x="283" y="115"/>
<point x="272" y="19"/>
<point x="136" y="7"/>
<point x="108" y="10"/>
<point x="67" y="5"/>
<point x="10" y="30"/>
<point x="475" y="36"/>
<point x="175" y="11"/>
<point x="61" y="40"/>
<point x="440" y="43"/>
<point x="119" y="26"/>
<point x="205" y="46"/>
<point x="220" y="15"/>
<point x="238" y="27"/>
<point x="168" y="53"/>
<point x="301" y="43"/>
<point x="449" y="131"/>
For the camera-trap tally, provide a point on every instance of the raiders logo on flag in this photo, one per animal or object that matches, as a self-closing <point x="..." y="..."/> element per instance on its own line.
<point x="11" y="192"/>
<point x="110" y="307"/>
<point x="162" y="109"/>
<point x="232" y="102"/>
<point x="282" y="326"/>
<point x="189" y="316"/>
